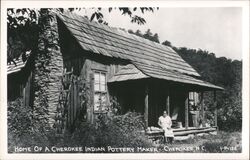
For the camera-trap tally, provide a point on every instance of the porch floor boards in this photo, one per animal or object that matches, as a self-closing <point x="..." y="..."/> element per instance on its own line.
<point x="183" y="131"/>
<point x="194" y="131"/>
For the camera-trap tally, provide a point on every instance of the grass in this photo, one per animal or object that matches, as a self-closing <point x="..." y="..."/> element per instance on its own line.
<point x="222" y="142"/>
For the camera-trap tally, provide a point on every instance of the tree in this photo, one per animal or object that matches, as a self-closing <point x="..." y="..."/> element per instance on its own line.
<point x="147" y="35"/>
<point x="138" y="33"/>
<point x="167" y="43"/>
<point x="155" y="38"/>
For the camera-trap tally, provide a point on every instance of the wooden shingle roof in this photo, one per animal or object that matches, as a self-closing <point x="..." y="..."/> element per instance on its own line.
<point x="113" y="42"/>
<point x="12" y="68"/>
<point x="128" y="72"/>
<point x="152" y="59"/>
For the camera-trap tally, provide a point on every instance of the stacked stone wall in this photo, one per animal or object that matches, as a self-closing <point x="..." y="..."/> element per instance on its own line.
<point x="47" y="72"/>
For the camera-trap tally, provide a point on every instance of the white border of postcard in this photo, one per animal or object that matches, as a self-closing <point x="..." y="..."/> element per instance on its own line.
<point x="66" y="4"/>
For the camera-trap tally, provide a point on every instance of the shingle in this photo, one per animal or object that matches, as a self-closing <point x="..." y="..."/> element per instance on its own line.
<point x="129" y="72"/>
<point x="12" y="68"/>
<point x="120" y="44"/>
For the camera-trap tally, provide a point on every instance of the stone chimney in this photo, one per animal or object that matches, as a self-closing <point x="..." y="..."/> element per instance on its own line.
<point x="48" y="70"/>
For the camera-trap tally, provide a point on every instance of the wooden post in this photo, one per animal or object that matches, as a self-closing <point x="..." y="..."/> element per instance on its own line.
<point x="186" y="110"/>
<point x="76" y="96"/>
<point x="202" y="109"/>
<point x="72" y="104"/>
<point x="146" y="107"/>
<point x="215" y="111"/>
<point x="168" y="103"/>
<point x="24" y="96"/>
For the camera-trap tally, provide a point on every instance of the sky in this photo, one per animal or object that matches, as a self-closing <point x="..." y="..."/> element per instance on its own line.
<point x="215" y="29"/>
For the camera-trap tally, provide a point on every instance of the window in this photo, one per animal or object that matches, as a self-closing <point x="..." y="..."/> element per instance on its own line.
<point x="100" y="89"/>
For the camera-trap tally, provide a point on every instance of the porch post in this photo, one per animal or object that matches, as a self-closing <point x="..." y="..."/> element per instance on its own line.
<point x="186" y="111"/>
<point x="146" y="107"/>
<point x="215" y="111"/>
<point x="202" y="109"/>
<point x="168" y="103"/>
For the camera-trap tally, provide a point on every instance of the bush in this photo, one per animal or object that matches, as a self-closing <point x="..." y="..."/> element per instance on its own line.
<point x="224" y="142"/>
<point x="19" y="123"/>
<point x="19" y="117"/>
<point x="125" y="130"/>
<point x="230" y="113"/>
<point x="118" y="131"/>
<point x="22" y="132"/>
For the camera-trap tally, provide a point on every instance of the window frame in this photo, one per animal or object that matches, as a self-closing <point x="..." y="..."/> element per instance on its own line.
<point x="99" y="91"/>
<point x="105" y="75"/>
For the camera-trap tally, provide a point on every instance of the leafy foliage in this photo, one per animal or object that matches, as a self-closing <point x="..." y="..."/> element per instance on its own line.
<point x="19" y="117"/>
<point x="118" y="131"/>
<point x="21" y="130"/>
<point x="147" y="35"/>
<point x="167" y="43"/>
<point x="222" y="142"/>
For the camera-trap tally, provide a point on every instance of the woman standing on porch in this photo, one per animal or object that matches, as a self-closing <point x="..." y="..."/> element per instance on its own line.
<point x="165" y="123"/>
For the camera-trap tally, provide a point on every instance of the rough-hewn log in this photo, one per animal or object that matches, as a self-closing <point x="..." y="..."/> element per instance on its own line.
<point x="186" y="111"/>
<point x="90" y="109"/>
<point x="168" y="103"/>
<point x="202" y="109"/>
<point x="215" y="111"/>
<point x="24" y="96"/>
<point x="146" y="106"/>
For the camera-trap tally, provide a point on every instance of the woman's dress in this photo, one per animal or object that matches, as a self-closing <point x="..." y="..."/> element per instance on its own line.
<point x="166" y="123"/>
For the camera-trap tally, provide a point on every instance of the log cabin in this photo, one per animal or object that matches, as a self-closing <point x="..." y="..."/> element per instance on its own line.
<point x="106" y="70"/>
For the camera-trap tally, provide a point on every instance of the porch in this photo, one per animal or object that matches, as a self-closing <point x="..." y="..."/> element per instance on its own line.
<point x="151" y="96"/>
